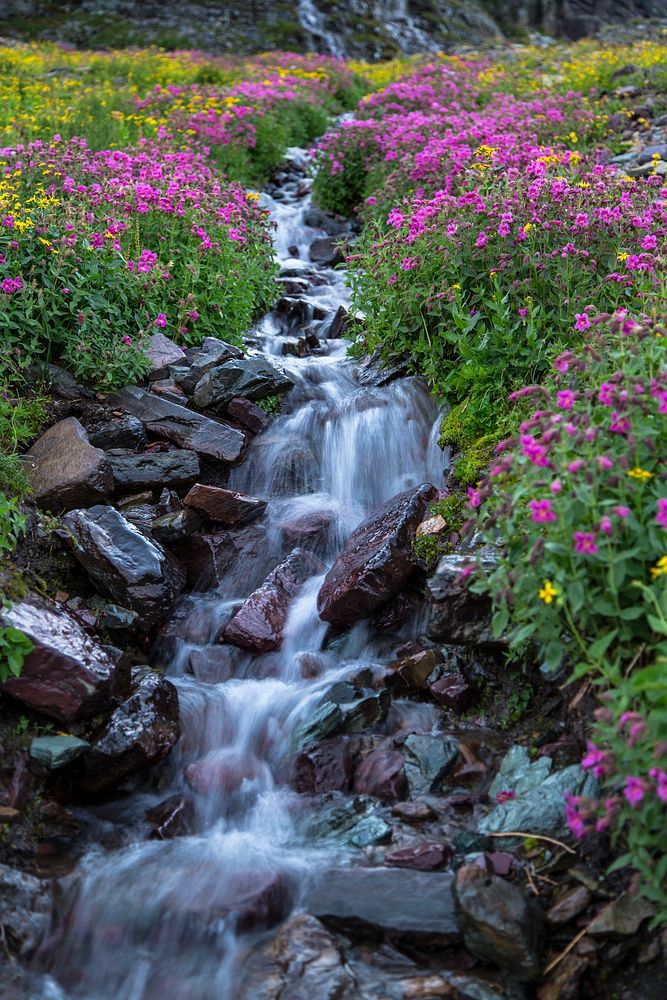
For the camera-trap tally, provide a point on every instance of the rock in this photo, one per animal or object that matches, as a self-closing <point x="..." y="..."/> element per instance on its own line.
<point x="376" y="562"/>
<point x="163" y="352"/>
<point x="326" y="767"/>
<point x="381" y="774"/>
<point x="427" y="760"/>
<point x="56" y="751"/>
<point x="340" y="324"/>
<point x="168" y="388"/>
<point x="431" y="526"/>
<point x="326" y="251"/>
<point x="205" y="559"/>
<point x="225" y="506"/>
<point x="118" y="621"/>
<point x="213" y="353"/>
<point x="413" y="812"/>
<point x="365" y="711"/>
<point x="25" y="911"/>
<point x="563" y="982"/>
<point x="141" y="731"/>
<point x="252" y="378"/>
<point x="455" y="692"/>
<point x="396" y="613"/>
<point x="175" y="817"/>
<point x="570" y="904"/>
<point x="655" y="152"/>
<point x="295" y="347"/>
<point x="314" y="526"/>
<point x="410" y="673"/>
<point x="540" y="796"/>
<point x="302" y="962"/>
<point x="396" y="899"/>
<point x="258" y="625"/>
<point x="456" y="615"/>
<point x="67" y="676"/>
<point x="220" y="773"/>
<point x="353" y="822"/>
<point x="133" y="570"/>
<point x="176" y="527"/>
<point x="372" y="371"/>
<point x="154" y="469"/>
<point x="324" y="721"/>
<point x="500" y="924"/>
<point x="423" y="857"/>
<point x="622" y="917"/>
<point x="190" y="430"/>
<point x="65" y="471"/>
<point x="123" y="432"/>
<point x="212" y="664"/>
<point x="248" y="414"/>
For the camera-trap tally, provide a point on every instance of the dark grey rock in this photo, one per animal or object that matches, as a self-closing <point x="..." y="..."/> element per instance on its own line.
<point x="252" y="378"/>
<point x="374" y="371"/>
<point x="456" y="615"/>
<point x="213" y="353"/>
<point x="123" y="432"/>
<point x="162" y="352"/>
<point x="427" y="759"/>
<point x="25" y="911"/>
<point x="176" y="469"/>
<point x="177" y="526"/>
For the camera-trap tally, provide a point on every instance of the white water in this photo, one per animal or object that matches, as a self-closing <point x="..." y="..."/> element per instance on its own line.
<point x="150" y="919"/>
<point x="393" y="15"/>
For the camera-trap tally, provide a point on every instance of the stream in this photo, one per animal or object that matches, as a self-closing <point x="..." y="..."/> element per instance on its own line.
<point x="145" y="918"/>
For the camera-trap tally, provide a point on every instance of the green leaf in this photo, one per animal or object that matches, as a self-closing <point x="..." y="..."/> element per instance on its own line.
<point x="600" y="646"/>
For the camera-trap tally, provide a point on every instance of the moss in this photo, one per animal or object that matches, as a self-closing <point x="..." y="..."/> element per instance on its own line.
<point x="469" y="467"/>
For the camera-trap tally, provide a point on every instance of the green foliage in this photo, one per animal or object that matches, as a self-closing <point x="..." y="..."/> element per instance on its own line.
<point x="14" y="646"/>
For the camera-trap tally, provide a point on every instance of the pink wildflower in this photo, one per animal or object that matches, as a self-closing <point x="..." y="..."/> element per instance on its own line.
<point x="634" y="790"/>
<point x="542" y="511"/>
<point x="661" y="516"/>
<point x="584" y="542"/>
<point x="161" y="320"/>
<point x="565" y="399"/>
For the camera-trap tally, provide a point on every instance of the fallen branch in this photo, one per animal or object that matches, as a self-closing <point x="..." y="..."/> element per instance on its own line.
<point x="575" y="940"/>
<point x="533" y="836"/>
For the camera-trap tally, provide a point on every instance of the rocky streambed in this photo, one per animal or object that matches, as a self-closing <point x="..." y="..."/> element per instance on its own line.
<point x="255" y="752"/>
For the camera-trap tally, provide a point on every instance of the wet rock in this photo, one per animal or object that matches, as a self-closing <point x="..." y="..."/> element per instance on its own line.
<point x="365" y="711"/>
<point x="225" y="506"/>
<point x="423" y="857"/>
<point x="455" y="692"/>
<point x="190" y="430"/>
<point x="351" y="823"/>
<point x="25" y="911"/>
<point x="133" y="570"/>
<point x="373" y="371"/>
<point x="154" y="469"/>
<point x="623" y="917"/>
<point x="540" y="796"/>
<point x="215" y="353"/>
<point x="176" y="527"/>
<point x="141" y="731"/>
<point x="56" y="751"/>
<point x="295" y="347"/>
<point x="175" y="817"/>
<point x="325" y="720"/>
<point x="169" y="389"/>
<point x="427" y="759"/>
<point x="312" y="527"/>
<point x="258" y="625"/>
<point x="326" y="767"/>
<point x="570" y="904"/>
<point x="221" y="772"/>
<point x="340" y="324"/>
<point x="563" y="983"/>
<point x="248" y="414"/>
<point x="302" y="962"/>
<point x="410" y="673"/>
<point x="456" y="615"/>
<point x="205" y="557"/>
<point x="396" y="613"/>
<point x="260" y="901"/>
<point x="123" y="432"/>
<point x="212" y="664"/>
<point x="392" y="898"/>
<point x="413" y="812"/>
<point x="382" y="775"/>
<point x="65" y="470"/>
<point x="117" y="621"/>
<point x="327" y="251"/>
<point x="67" y="676"/>
<point x="163" y="352"/>
<point x="500" y="924"/>
<point x="332" y="224"/>
<point x="376" y="562"/>
<point x="252" y="378"/>
<point x="431" y="526"/>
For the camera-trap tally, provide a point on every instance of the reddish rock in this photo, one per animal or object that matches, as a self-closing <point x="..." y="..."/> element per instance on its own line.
<point x="248" y="414"/>
<point x="413" y="812"/>
<point x="205" y="559"/>
<point x="163" y="352"/>
<point x="377" y="561"/>
<point x="410" y="674"/>
<point x="326" y="767"/>
<point x="420" y="857"/>
<point x="569" y="905"/>
<point x="64" y="469"/>
<point x="312" y="527"/>
<point x="172" y="818"/>
<point x="225" y="506"/>
<point x="258" y="625"/>
<point x="67" y="676"/>
<point x="455" y="692"/>
<point x="381" y="774"/>
<point x="212" y="664"/>
<point x="396" y="612"/>
<point x="221" y="772"/>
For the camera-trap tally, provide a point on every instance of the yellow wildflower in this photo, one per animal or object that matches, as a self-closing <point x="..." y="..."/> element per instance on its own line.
<point x="639" y="473"/>
<point x="548" y="592"/>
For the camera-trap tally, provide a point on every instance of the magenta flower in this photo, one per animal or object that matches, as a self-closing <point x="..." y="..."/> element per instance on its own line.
<point x="574" y="819"/>
<point x="606" y="526"/>
<point x="621" y="511"/>
<point x="556" y="486"/>
<point x="542" y="511"/>
<point x="660" y="778"/>
<point x="577" y="464"/>
<point x="474" y="497"/>
<point x="604" y="462"/>
<point x="584" y="542"/>
<point x="481" y="240"/>
<point x="161" y="320"/>
<point x="127" y="340"/>
<point x="634" y="790"/>
<point x="582" y="321"/>
<point x="661" y="516"/>
<point x="505" y="796"/>
<point x="565" y="399"/>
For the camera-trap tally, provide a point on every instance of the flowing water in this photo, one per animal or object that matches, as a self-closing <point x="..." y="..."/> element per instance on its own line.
<point x="142" y="919"/>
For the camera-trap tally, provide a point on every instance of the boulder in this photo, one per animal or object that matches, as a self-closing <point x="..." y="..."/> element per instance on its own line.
<point x="500" y="923"/>
<point x="187" y="429"/>
<point x="326" y="767"/>
<point x="568" y="905"/>
<point x="252" y="378"/>
<point x="154" y="469"/>
<point x="427" y="759"/>
<point x="65" y="470"/>
<point x="174" y="817"/>
<point x="205" y="557"/>
<point x="395" y="899"/>
<point x="410" y="673"/>
<point x="456" y="615"/>
<point x="177" y="526"/>
<point x="212" y="353"/>
<point x="376" y="562"/>
<point x="373" y="371"/>
<point x="125" y="565"/>
<point x="353" y="822"/>
<point x="622" y="917"/>
<point x="413" y="812"/>
<point x="225" y="506"/>
<point x="248" y="414"/>
<point x="67" y="676"/>
<point x="122" y="432"/>
<point x="327" y="251"/>
<point x="163" y="352"/>
<point x="382" y="775"/>
<point x="258" y="625"/>
<point x="455" y="692"/>
<point x="422" y="857"/>
<point x="141" y="731"/>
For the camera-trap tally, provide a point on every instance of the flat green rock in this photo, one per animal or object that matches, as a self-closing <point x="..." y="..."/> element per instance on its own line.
<point x="56" y="751"/>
